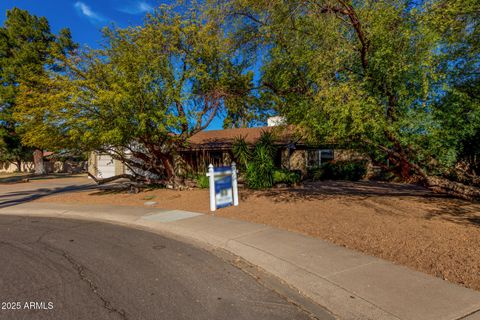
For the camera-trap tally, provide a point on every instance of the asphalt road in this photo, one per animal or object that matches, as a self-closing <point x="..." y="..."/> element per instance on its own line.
<point x="12" y="194"/>
<point x="67" y="269"/>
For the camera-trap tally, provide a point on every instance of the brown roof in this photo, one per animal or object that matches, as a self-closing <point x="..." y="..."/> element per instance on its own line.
<point x="221" y="139"/>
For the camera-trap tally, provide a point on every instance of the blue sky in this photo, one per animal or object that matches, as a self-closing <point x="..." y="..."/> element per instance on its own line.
<point x="86" y="18"/>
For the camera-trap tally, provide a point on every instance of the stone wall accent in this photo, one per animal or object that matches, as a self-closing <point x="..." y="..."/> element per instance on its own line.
<point x="294" y="160"/>
<point x="348" y="155"/>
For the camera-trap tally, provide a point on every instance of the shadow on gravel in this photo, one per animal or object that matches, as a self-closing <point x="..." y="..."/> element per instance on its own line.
<point x="358" y="189"/>
<point x="438" y="206"/>
<point x="457" y="211"/>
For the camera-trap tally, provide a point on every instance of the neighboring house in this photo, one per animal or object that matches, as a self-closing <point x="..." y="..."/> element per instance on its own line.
<point x="54" y="163"/>
<point x="215" y="147"/>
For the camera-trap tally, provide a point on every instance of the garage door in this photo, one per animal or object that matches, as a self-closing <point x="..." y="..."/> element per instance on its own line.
<point x="105" y="166"/>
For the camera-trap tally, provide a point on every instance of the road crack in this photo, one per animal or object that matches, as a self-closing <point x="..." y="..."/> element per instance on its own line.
<point x="81" y="271"/>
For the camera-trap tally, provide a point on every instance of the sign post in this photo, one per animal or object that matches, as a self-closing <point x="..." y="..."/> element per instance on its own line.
<point x="223" y="186"/>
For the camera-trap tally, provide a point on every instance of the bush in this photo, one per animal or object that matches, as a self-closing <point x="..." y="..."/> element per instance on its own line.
<point x="340" y="170"/>
<point x="202" y="181"/>
<point x="286" y="176"/>
<point x="260" y="170"/>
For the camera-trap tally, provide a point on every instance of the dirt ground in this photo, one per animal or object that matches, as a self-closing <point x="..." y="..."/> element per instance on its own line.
<point x="402" y="223"/>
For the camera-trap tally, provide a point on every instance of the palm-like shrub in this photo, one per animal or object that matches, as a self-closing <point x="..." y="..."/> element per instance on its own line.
<point x="241" y="151"/>
<point x="260" y="169"/>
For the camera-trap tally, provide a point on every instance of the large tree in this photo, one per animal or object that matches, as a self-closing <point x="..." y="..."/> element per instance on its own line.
<point x="142" y="96"/>
<point x="28" y="49"/>
<point x="379" y="75"/>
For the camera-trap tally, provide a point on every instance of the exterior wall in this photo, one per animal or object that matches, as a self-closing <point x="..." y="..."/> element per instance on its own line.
<point x="92" y="163"/>
<point x="50" y="167"/>
<point x="298" y="161"/>
<point x="294" y="160"/>
<point x="119" y="167"/>
<point x="348" y="155"/>
<point x="10" y="167"/>
<point x="67" y="166"/>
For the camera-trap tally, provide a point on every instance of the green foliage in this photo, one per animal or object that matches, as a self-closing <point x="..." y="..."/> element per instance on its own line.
<point x="149" y="89"/>
<point x="381" y="74"/>
<point x="267" y="141"/>
<point x="28" y="51"/>
<point x="340" y="170"/>
<point x="257" y="162"/>
<point x="241" y="151"/>
<point x="12" y="150"/>
<point x="286" y="176"/>
<point x="202" y="181"/>
<point x="260" y="170"/>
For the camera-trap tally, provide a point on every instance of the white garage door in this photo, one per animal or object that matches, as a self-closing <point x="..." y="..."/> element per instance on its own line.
<point x="106" y="167"/>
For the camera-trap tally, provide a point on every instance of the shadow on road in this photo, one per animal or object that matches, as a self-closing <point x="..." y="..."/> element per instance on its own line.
<point x="20" y="178"/>
<point x="14" y="198"/>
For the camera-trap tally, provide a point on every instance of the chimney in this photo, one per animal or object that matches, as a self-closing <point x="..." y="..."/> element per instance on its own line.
<point x="276" y="121"/>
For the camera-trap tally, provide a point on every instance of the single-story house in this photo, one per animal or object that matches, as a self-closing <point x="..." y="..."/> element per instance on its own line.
<point x="215" y="147"/>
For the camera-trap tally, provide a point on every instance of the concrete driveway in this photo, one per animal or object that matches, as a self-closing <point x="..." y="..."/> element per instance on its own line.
<point x="12" y="194"/>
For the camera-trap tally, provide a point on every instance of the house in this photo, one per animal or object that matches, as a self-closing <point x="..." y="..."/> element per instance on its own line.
<point x="215" y="147"/>
<point x="53" y="163"/>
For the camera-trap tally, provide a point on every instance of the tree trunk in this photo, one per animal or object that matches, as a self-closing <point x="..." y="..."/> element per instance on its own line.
<point x="38" y="162"/>
<point x="110" y="179"/>
<point x="457" y="189"/>
<point x="436" y="184"/>
<point x="18" y="163"/>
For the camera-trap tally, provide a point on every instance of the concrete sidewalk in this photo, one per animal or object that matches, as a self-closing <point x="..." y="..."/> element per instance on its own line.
<point x="349" y="284"/>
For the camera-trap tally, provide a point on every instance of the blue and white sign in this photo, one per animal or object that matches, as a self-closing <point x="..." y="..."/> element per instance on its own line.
<point x="223" y="186"/>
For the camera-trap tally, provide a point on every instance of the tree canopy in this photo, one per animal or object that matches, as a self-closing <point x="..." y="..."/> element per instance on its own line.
<point x="28" y="49"/>
<point x="143" y="95"/>
<point x="396" y="79"/>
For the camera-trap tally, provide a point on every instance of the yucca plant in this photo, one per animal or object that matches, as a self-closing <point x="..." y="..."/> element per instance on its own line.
<point x="260" y="170"/>
<point x="241" y="151"/>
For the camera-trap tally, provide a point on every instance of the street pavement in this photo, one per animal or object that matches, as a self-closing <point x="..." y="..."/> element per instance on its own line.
<point x="12" y="194"/>
<point x="349" y="284"/>
<point x="67" y="269"/>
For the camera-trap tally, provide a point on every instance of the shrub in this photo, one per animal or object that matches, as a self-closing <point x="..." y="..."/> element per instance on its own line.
<point x="341" y="170"/>
<point x="315" y="173"/>
<point x="286" y="176"/>
<point x="202" y="181"/>
<point x="241" y="151"/>
<point x="260" y="170"/>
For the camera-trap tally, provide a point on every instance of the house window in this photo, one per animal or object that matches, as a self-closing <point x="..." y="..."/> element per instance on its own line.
<point x="316" y="158"/>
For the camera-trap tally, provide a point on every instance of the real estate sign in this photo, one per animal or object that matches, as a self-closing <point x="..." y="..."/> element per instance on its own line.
<point x="223" y="186"/>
